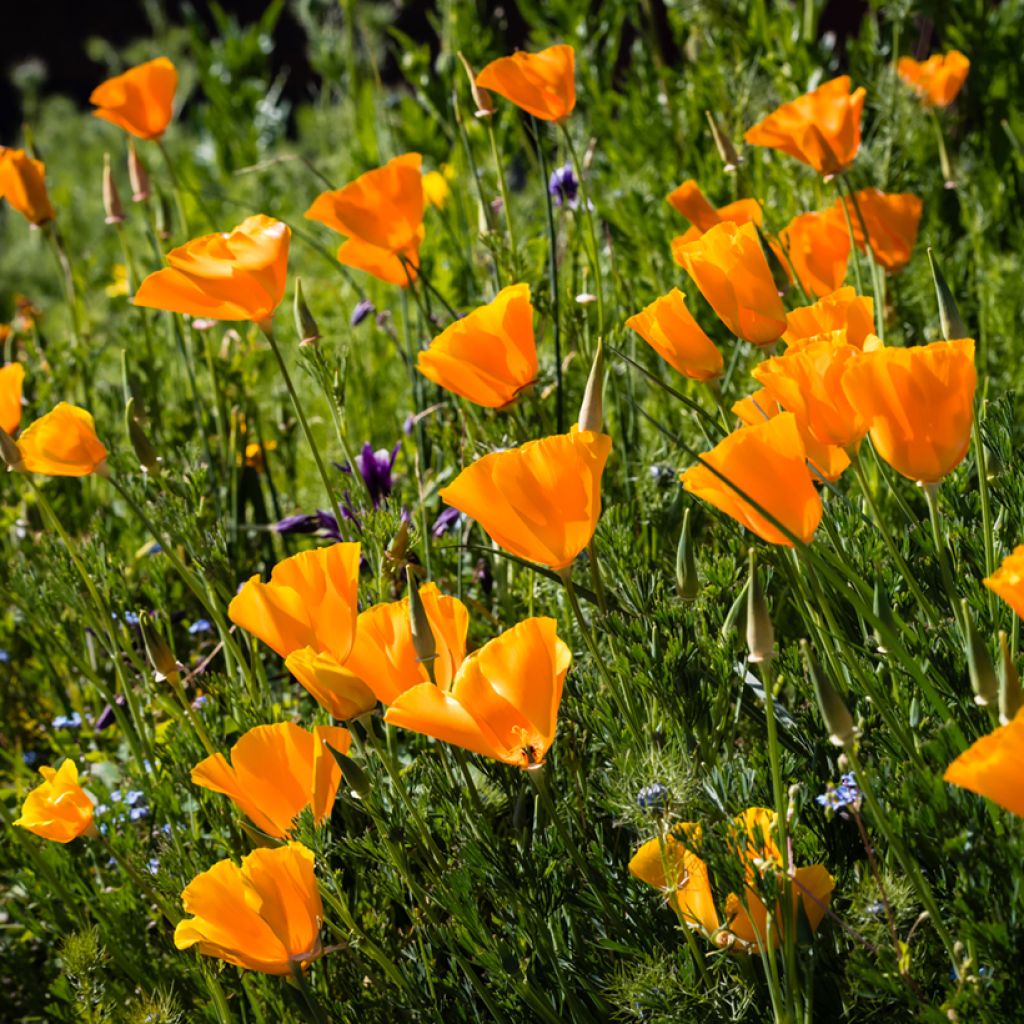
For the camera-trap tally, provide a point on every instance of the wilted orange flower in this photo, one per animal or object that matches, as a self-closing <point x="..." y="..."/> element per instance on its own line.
<point x="264" y="915"/>
<point x="994" y="766"/>
<point x="818" y="249"/>
<point x="828" y="461"/>
<point x="821" y="128"/>
<point x="542" y="84"/>
<point x="891" y="220"/>
<point x="276" y="771"/>
<point x="140" y="101"/>
<point x="234" y="275"/>
<point x="341" y="693"/>
<point x="918" y="403"/>
<point x="58" y="808"/>
<point x="768" y="463"/>
<point x="843" y="309"/>
<point x="488" y="356"/>
<point x="11" y="377"/>
<point x="807" y="381"/>
<point x="540" y="501"/>
<point x="382" y="212"/>
<point x="310" y="601"/>
<point x="23" y="185"/>
<point x="670" y="329"/>
<point x="62" y="443"/>
<point x="729" y="267"/>
<point x="688" y="200"/>
<point x="936" y="80"/>
<point x="1008" y="580"/>
<point x="503" y="702"/>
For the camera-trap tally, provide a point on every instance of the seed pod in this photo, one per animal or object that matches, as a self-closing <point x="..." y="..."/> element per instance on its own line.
<point x="591" y="409"/>
<point x="111" y="200"/>
<point x="137" y="176"/>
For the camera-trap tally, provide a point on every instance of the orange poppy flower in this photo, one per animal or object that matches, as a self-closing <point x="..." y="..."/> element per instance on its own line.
<point x="768" y="463"/>
<point x="62" y="443"/>
<point x="264" y="915"/>
<point x="891" y="220"/>
<point x="141" y="100"/>
<point x="827" y="461"/>
<point x="994" y="766"/>
<point x="310" y="601"/>
<point x="670" y="329"/>
<point x="1008" y="580"/>
<point x="688" y="200"/>
<point x="729" y="267"/>
<point x="807" y="381"/>
<point x="11" y="377"/>
<point x="918" y="403"/>
<point x="342" y="694"/>
<point x="542" y="84"/>
<point x="23" y="185"/>
<point x="818" y="249"/>
<point x="276" y="771"/>
<point x="234" y="275"/>
<point x="842" y="309"/>
<point x="936" y="80"/>
<point x="540" y="501"/>
<point x="382" y="213"/>
<point x="820" y="129"/>
<point x="58" y="808"/>
<point x="489" y="356"/>
<point x="503" y="702"/>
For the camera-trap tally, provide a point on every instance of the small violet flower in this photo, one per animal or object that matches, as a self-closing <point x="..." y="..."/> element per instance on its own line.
<point x="652" y="798"/>
<point x="563" y="187"/>
<point x="447" y="520"/>
<point x="72" y="721"/>
<point x="846" y="794"/>
<point x="363" y="308"/>
<point x="375" y="469"/>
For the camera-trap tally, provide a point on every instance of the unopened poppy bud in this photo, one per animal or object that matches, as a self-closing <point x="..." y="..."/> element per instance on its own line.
<point x="355" y="778"/>
<point x="883" y="612"/>
<point x="9" y="451"/>
<point x="144" y="451"/>
<point x="726" y="150"/>
<point x="1010" y="697"/>
<point x="687" y="583"/>
<point x="422" y="635"/>
<point x="161" y="657"/>
<point x="834" y="712"/>
<point x="760" y="632"/>
<point x="481" y="97"/>
<point x="400" y="542"/>
<point x="979" y="662"/>
<point x="305" y="325"/>
<point x="137" y="176"/>
<point x="111" y="200"/>
<point x="592" y="408"/>
<point x="950" y="322"/>
<point x="779" y="274"/>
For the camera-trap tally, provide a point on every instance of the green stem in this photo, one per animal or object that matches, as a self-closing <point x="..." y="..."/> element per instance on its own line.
<point x="175" y="187"/>
<point x="853" y="240"/>
<point x="931" y="493"/>
<point x="981" y="463"/>
<point x="312" y="1010"/>
<point x="945" y="164"/>
<point x="503" y="188"/>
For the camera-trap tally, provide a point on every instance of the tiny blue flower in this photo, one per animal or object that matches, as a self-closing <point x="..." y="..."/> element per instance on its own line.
<point x="200" y="626"/>
<point x="5" y="656"/>
<point x="72" y="721"/>
<point x="153" y="865"/>
<point x="363" y="308"/>
<point x="138" y="813"/>
<point x="653" y="797"/>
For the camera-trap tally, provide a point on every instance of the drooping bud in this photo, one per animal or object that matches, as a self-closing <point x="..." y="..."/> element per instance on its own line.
<point x="111" y="199"/>
<point x="481" y="97"/>
<point x="422" y="635"/>
<point x="834" y="712"/>
<point x="883" y="612"/>
<point x="355" y="778"/>
<point x="9" y="451"/>
<point x="950" y="322"/>
<point x="979" y="662"/>
<point x="161" y="657"/>
<point x="760" y="632"/>
<point x="1010" y="696"/>
<point x="144" y="451"/>
<point x="726" y="150"/>
<point x="592" y="407"/>
<point x="305" y="326"/>
<point x="779" y="273"/>
<point x="687" y="583"/>
<point x="137" y="176"/>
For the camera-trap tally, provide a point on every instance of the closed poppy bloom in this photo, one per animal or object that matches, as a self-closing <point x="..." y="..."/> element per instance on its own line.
<point x="842" y="309"/>
<point x="310" y="601"/>
<point x="688" y="200"/>
<point x="807" y="381"/>
<point x="820" y="129"/>
<point x="818" y="249"/>
<point x="58" y="808"/>
<point x="264" y="916"/>
<point x="62" y="443"/>
<point x="141" y="100"/>
<point x="540" y="501"/>
<point x="918" y="403"/>
<point x="936" y="80"/>
<point x="892" y="221"/>
<point x="11" y="377"/>
<point x="276" y="771"/>
<point x="768" y="463"/>
<point x="994" y="766"/>
<point x="1008" y="580"/>
<point x="234" y="275"/>
<point x="382" y="213"/>
<point x="670" y="329"/>
<point x="542" y="84"/>
<point x="23" y="185"/>
<point x="488" y="356"/>
<point x="503" y="702"/>
<point x="728" y="265"/>
<point x="341" y="693"/>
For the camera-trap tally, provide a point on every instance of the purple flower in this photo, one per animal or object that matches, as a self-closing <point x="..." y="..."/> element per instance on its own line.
<point x="653" y="798"/>
<point x="105" y="719"/>
<point x="72" y="721"/>
<point x="846" y="794"/>
<point x="375" y="468"/>
<point x="564" y="187"/>
<point x="320" y="522"/>
<point x="446" y="521"/>
<point x="363" y="308"/>
<point x="200" y="626"/>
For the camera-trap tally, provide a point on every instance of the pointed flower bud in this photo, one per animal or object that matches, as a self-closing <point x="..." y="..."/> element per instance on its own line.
<point x="423" y="641"/>
<point x="161" y="657"/>
<point x="144" y="451"/>
<point x="760" y="632"/>
<point x="950" y="322"/>
<point x="726" y="150"/>
<point x="1010" y="696"/>
<point x="979" y="662"/>
<point x="481" y="97"/>
<point x="111" y="200"/>
<point x="834" y="712"/>
<point x="883" y="612"/>
<point x="305" y="326"/>
<point x="137" y="175"/>
<point x="591" y="410"/>
<point x="687" y="582"/>
<point x="9" y="451"/>
<point x="355" y="778"/>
